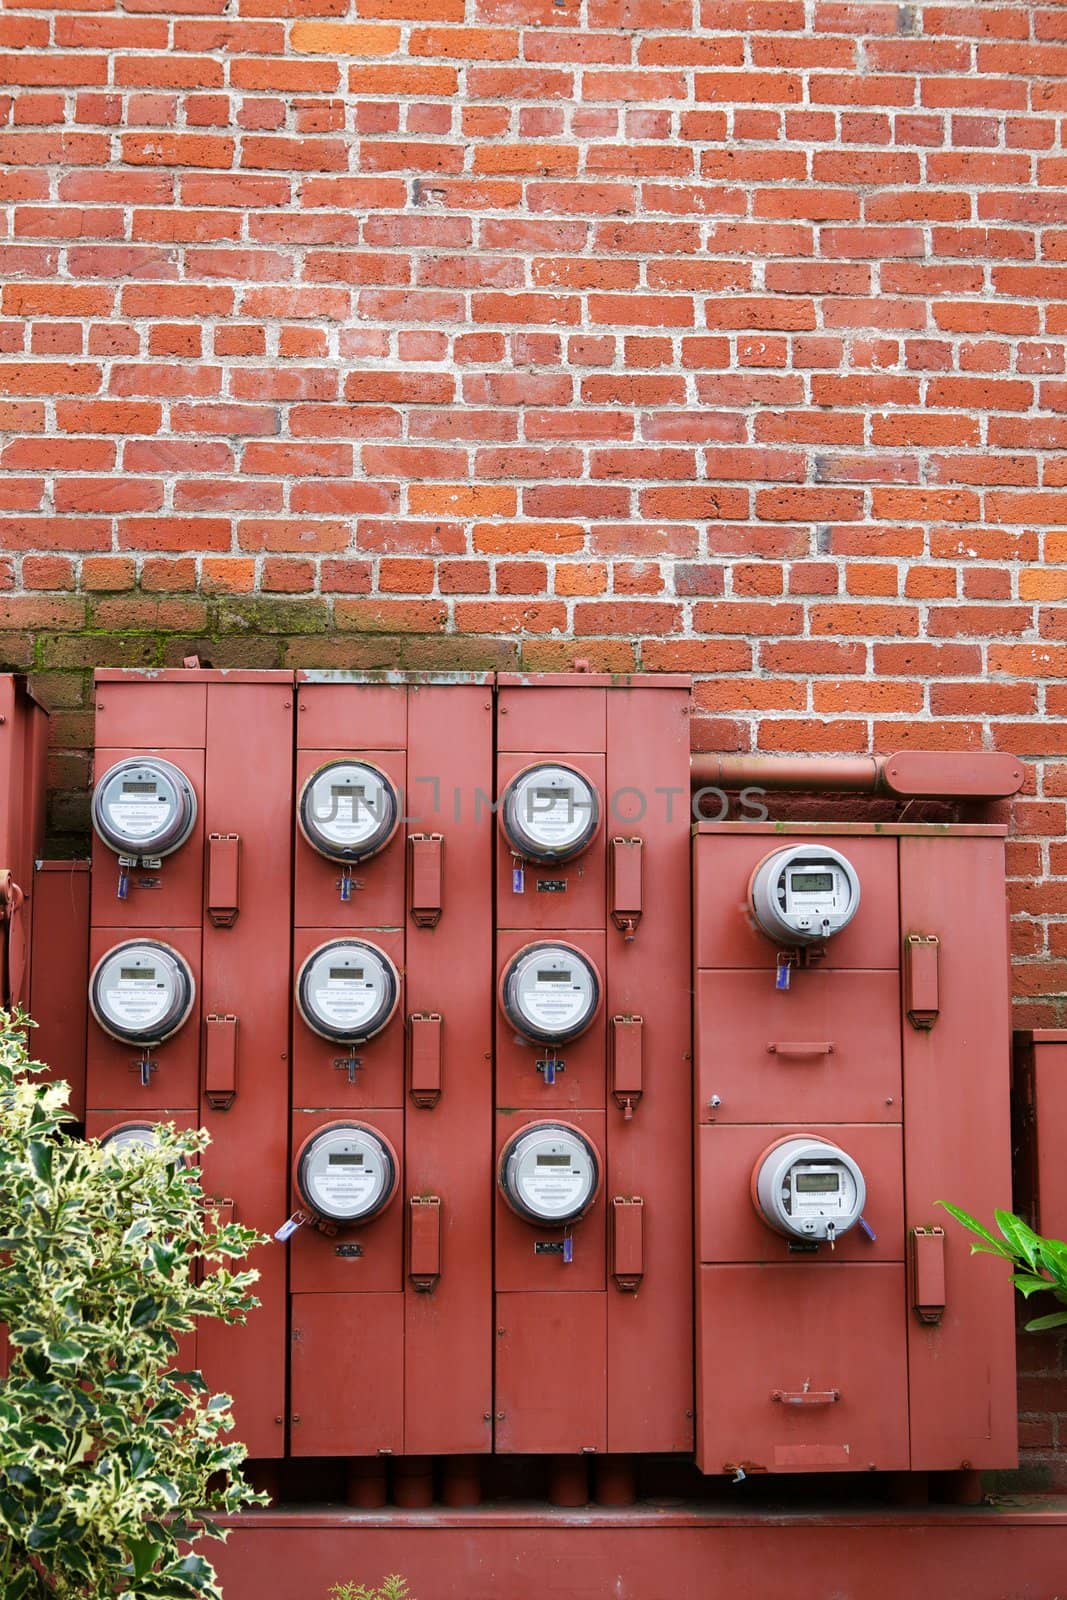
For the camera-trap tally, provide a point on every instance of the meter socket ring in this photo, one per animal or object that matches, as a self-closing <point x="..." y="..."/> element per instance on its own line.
<point x="804" y="894"/>
<point x="144" y="807"/>
<point x="540" y="1178"/>
<point x="550" y="992"/>
<point x="348" y="810"/>
<point x="346" y="1174"/>
<point x="835" y="1190"/>
<point x="550" y="812"/>
<point x="142" y="991"/>
<point x="347" y="990"/>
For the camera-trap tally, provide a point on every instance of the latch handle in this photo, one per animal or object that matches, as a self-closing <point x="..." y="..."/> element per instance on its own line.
<point x="801" y="1052"/>
<point x="928" y="1273"/>
<point x="220" y="1069"/>
<point x="922" y="989"/>
<point x="628" y="1242"/>
<point x="627" y="1062"/>
<point x="425" y="1030"/>
<point x="806" y="1397"/>
<point x="426" y="852"/>
<point x="223" y="878"/>
<point x="626" y="885"/>
<point x="424" y="1242"/>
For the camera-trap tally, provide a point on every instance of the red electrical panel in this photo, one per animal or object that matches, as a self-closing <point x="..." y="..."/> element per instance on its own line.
<point x="1040" y="1112"/>
<point x="191" y="898"/>
<point x="23" y="777"/>
<point x="58" y="997"/>
<point x="392" y="1069"/>
<point x="851" y="997"/>
<point x="593" y="1071"/>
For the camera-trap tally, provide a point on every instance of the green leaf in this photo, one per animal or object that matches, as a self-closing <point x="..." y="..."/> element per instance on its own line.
<point x="65" y="1352"/>
<point x="974" y="1226"/>
<point x="145" y="1554"/>
<point x="22" y="1585"/>
<point x="1027" y="1284"/>
<point x="1055" y="1319"/>
<point x="40" y="1160"/>
<point x="1023" y="1240"/>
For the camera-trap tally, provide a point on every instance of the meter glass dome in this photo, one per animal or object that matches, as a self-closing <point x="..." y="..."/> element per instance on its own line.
<point x="550" y="1173"/>
<point x="130" y="1136"/>
<point x="808" y="1188"/>
<point x="142" y="991"/>
<point x="551" y="992"/>
<point x="550" y="812"/>
<point x="346" y="1172"/>
<point x="804" y="894"/>
<point x="347" y="990"/>
<point x="144" y="807"/>
<point x="348" y="810"/>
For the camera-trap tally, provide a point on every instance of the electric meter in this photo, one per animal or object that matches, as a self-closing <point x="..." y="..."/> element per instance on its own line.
<point x="808" y="1189"/>
<point x="550" y="992"/>
<point x="550" y="812"/>
<point x="144" y="807"/>
<point x="348" y="810"/>
<point x="130" y="1136"/>
<point x="347" y="990"/>
<point x="804" y="894"/>
<point x="346" y="1172"/>
<point x="142" y="991"/>
<point x="549" y="1172"/>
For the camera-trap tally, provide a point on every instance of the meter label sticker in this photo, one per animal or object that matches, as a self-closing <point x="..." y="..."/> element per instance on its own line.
<point x="347" y="1002"/>
<point x="346" y="814"/>
<point x="553" y="813"/>
<point x="139" y="816"/>
<point x="552" y="1188"/>
<point x="136" y="1001"/>
<point x="346" y="1188"/>
<point x="552" y="886"/>
<point x="554" y="1002"/>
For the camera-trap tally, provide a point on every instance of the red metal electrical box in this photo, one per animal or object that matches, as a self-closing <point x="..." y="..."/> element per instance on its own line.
<point x="58" y="994"/>
<point x="23" y="778"/>
<point x="851" y="995"/>
<point x="190" y="958"/>
<point x="1040" y="1115"/>
<point x="392" y="1346"/>
<point x="593" y="1071"/>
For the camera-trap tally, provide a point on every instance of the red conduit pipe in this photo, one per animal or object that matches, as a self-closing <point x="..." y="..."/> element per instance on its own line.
<point x="910" y="774"/>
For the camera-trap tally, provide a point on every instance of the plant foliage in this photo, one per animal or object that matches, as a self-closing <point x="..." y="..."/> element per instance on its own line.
<point x="1039" y="1265"/>
<point x="393" y="1588"/>
<point x="111" y="1456"/>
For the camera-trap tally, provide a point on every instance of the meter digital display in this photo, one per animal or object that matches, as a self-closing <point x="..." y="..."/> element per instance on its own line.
<point x="804" y="894"/>
<point x="807" y="1188"/>
<point x="142" y="992"/>
<point x="346" y="1172"/>
<point x="144" y="807"/>
<point x="347" y="990"/>
<point x="348" y="810"/>
<point x="130" y="1136"/>
<point x="550" y="1172"/>
<point x="550" y="813"/>
<point x="550" y="992"/>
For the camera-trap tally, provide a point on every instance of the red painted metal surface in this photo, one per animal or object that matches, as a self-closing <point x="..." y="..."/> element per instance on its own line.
<point x="957" y="1147"/>
<point x="58" y="999"/>
<point x="228" y="911"/>
<point x="634" y="1393"/>
<point x="910" y="774"/>
<point x="1040" y="1116"/>
<point x="726" y="935"/>
<point x="827" y="1047"/>
<point x="23" y="758"/>
<point x="803" y="1368"/>
<point x="426" y="1083"/>
<point x="652" y="1552"/>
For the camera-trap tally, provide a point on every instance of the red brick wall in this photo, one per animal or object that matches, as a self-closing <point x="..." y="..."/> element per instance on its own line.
<point x="720" y="335"/>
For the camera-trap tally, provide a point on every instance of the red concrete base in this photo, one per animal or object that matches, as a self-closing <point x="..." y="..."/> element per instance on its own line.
<point x="655" y="1552"/>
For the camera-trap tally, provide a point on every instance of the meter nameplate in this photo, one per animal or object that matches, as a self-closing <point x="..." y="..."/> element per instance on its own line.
<point x="346" y="999"/>
<point x="554" y="1184"/>
<point x="137" y="1000"/>
<point x="139" y="816"/>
